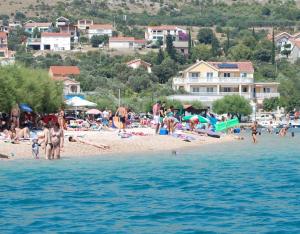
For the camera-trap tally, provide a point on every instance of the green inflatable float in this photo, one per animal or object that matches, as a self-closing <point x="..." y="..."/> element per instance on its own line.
<point x="227" y="124"/>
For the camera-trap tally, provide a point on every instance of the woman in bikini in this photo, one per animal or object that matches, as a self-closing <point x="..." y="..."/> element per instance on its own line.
<point x="254" y="131"/>
<point x="56" y="135"/>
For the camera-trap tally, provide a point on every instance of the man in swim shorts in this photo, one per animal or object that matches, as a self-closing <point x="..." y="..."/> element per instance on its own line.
<point x="122" y="114"/>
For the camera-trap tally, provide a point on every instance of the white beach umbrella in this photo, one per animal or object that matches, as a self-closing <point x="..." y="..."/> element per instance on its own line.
<point x="79" y="102"/>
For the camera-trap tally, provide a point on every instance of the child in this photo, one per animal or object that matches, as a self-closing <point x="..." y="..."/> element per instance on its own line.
<point x="35" y="149"/>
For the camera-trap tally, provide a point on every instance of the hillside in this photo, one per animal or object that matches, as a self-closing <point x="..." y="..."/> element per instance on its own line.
<point x="34" y="8"/>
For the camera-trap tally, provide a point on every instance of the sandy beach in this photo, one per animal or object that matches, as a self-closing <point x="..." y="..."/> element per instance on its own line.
<point x="133" y="144"/>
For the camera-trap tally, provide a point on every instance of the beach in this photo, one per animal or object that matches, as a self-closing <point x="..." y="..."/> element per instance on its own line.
<point x="142" y="140"/>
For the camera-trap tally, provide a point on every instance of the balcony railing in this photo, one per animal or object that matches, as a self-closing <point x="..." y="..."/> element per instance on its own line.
<point x="267" y="95"/>
<point x="214" y="80"/>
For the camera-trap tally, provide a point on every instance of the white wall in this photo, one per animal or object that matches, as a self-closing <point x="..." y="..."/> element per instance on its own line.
<point x="99" y="32"/>
<point x="120" y="45"/>
<point x="56" y="43"/>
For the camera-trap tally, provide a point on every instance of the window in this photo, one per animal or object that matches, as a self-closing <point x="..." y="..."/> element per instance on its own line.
<point x="209" y="75"/>
<point x="194" y="74"/>
<point x="210" y="89"/>
<point x="245" y="89"/>
<point x="154" y="37"/>
<point x="267" y="90"/>
<point x="227" y="90"/>
<point x="195" y="89"/>
<point x="226" y="74"/>
<point x="73" y="89"/>
<point x="243" y="74"/>
<point x="2" y="54"/>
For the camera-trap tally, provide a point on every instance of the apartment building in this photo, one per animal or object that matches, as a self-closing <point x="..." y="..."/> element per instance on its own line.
<point x="154" y="33"/>
<point x="209" y="81"/>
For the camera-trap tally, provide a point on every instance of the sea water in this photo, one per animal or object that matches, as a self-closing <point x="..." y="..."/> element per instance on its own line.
<point x="235" y="187"/>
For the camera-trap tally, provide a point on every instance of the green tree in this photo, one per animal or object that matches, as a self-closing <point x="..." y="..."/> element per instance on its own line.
<point x="205" y="36"/>
<point x="273" y="47"/>
<point x="287" y="50"/>
<point x="240" y="52"/>
<point x="36" y="33"/>
<point x="97" y="40"/>
<point x="201" y="52"/>
<point x="34" y="87"/>
<point x="170" y="47"/>
<point x="166" y="70"/>
<point x="190" y="43"/>
<point x="160" y="57"/>
<point x="271" y="104"/>
<point x="234" y="104"/>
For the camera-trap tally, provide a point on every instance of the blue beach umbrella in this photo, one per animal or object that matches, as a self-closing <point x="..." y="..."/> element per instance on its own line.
<point x="24" y="107"/>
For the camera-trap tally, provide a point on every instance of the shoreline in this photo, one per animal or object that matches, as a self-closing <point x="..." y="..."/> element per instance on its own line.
<point x="148" y="142"/>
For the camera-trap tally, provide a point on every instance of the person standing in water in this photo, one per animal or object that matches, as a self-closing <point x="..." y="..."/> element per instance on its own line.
<point x="56" y="135"/>
<point x="156" y="115"/>
<point x="61" y="122"/>
<point x="122" y="114"/>
<point x="254" y="131"/>
<point x="45" y="141"/>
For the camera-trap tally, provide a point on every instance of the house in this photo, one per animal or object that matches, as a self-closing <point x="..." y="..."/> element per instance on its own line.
<point x="294" y="50"/>
<point x="154" y="33"/>
<point x="281" y="39"/>
<point x="55" y="41"/>
<point x="14" y="24"/>
<point x="84" y="24"/>
<point x="66" y="26"/>
<point x="137" y="63"/>
<point x="66" y="75"/>
<point x="6" y="56"/>
<point x="100" y="30"/>
<point x="182" y="47"/>
<point x="29" y="26"/>
<point x="126" y="43"/>
<point x="209" y="81"/>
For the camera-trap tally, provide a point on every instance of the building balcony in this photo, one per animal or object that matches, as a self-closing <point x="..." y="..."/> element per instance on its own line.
<point x="266" y="95"/>
<point x="213" y="80"/>
<point x="33" y="41"/>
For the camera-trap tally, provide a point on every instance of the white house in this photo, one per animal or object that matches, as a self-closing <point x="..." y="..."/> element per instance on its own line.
<point x="100" y="30"/>
<point x="154" y="33"/>
<point x="29" y="26"/>
<point x="209" y="81"/>
<point x="55" y="41"/>
<point x="138" y="63"/>
<point x="125" y="43"/>
<point x="63" y="74"/>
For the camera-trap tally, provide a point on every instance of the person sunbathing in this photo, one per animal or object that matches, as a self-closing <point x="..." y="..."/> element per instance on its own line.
<point x="76" y="139"/>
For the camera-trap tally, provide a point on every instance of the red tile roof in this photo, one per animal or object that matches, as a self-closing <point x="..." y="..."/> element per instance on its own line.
<point x="3" y="35"/>
<point x="117" y="39"/>
<point x="101" y="26"/>
<point x="242" y="66"/>
<point x="55" y="34"/>
<point x="140" y="41"/>
<point x="64" y="70"/>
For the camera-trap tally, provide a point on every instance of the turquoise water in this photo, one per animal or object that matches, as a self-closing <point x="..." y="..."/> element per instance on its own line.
<point x="231" y="188"/>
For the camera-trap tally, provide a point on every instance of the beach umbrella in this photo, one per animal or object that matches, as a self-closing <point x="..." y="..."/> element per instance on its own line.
<point x="79" y="102"/>
<point x="24" y="107"/>
<point x="93" y="112"/>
